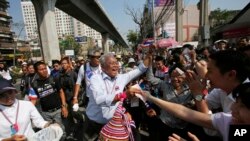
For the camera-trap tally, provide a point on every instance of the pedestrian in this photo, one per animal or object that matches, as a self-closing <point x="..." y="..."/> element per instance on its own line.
<point x="106" y="90"/>
<point x="47" y="90"/>
<point x="16" y="115"/>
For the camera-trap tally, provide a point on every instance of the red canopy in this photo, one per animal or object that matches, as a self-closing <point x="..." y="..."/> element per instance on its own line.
<point x="167" y="42"/>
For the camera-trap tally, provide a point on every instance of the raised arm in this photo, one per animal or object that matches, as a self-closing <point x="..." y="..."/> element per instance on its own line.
<point x="182" y="112"/>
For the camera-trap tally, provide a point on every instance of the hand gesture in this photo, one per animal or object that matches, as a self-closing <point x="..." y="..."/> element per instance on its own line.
<point x="194" y="83"/>
<point x="151" y="112"/>
<point x="131" y="91"/>
<point x="176" y="137"/>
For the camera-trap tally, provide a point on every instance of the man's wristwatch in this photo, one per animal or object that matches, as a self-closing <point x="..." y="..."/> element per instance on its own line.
<point x="199" y="97"/>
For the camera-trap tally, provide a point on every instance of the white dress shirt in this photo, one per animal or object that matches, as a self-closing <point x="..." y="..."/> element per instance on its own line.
<point x="103" y="90"/>
<point x="27" y="112"/>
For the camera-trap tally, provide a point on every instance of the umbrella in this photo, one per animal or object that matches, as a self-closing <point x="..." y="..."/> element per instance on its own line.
<point x="167" y="42"/>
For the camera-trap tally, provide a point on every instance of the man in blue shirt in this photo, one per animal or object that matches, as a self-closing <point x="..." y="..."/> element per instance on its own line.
<point x="106" y="89"/>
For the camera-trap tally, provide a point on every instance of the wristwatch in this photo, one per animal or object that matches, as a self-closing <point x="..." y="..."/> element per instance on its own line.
<point x="199" y="97"/>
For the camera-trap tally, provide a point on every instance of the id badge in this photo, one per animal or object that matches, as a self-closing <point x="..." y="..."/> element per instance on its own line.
<point x="14" y="129"/>
<point x="134" y="102"/>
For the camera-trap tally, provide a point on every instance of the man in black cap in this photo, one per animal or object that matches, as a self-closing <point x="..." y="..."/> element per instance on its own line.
<point x="16" y="115"/>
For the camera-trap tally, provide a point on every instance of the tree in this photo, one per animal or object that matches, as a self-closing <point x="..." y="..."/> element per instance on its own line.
<point x="69" y="43"/>
<point x="132" y="38"/>
<point x="143" y="20"/>
<point x="219" y="17"/>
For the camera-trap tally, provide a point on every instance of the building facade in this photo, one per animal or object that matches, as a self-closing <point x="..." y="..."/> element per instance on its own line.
<point x="190" y="15"/>
<point x="7" y="44"/>
<point x="64" y="23"/>
<point x="81" y="29"/>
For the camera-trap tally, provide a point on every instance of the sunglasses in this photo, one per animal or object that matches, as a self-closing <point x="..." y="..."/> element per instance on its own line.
<point x="97" y="57"/>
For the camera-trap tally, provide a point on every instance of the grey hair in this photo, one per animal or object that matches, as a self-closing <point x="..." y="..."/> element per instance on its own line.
<point x="104" y="57"/>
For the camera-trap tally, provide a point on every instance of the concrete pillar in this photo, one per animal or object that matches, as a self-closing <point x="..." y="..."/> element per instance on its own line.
<point x="204" y="32"/>
<point x="45" y="14"/>
<point x="105" y="46"/>
<point x="179" y="20"/>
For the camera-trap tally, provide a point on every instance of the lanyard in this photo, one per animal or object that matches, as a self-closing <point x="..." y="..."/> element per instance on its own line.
<point x="17" y="111"/>
<point x="112" y="87"/>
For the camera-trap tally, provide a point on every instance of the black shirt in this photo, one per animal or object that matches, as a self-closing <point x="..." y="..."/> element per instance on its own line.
<point x="48" y="92"/>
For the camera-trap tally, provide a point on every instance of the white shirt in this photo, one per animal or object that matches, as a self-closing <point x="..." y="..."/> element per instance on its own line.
<point x="221" y="122"/>
<point x="103" y="90"/>
<point x="90" y="71"/>
<point x="218" y="98"/>
<point x="5" y="74"/>
<point x="27" y="112"/>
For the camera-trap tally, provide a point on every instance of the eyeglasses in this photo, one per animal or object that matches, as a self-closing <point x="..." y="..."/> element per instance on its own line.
<point x="96" y="57"/>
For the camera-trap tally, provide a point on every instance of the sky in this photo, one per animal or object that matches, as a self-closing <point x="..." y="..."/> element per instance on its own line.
<point x="116" y="11"/>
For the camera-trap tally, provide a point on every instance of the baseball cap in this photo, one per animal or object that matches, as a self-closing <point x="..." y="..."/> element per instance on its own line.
<point x="118" y="56"/>
<point x="24" y="63"/>
<point x="131" y="60"/>
<point x="5" y="85"/>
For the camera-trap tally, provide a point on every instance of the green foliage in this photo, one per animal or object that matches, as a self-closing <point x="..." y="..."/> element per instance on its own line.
<point x="69" y="43"/>
<point x="132" y="37"/>
<point x="219" y="17"/>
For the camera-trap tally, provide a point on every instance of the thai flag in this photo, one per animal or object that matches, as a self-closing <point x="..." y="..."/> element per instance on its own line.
<point x="148" y="42"/>
<point x="32" y="94"/>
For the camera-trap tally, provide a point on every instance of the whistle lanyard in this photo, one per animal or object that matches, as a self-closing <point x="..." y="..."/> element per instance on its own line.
<point x="17" y="111"/>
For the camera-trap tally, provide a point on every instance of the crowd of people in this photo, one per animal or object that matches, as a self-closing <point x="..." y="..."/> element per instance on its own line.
<point x="183" y="93"/>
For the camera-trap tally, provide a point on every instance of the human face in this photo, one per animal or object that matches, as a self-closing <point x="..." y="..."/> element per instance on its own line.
<point x="176" y="79"/>
<point x="65" y="65"/>
<point x="217" y="79"/>
<point x="240" y="113"/>
<point x="31" y="69"/>
<point x="94" y="59"/>
<point x="206" y="53"/>
<point x="42" y="71"/>
<point x="56" y="66"/>
<point x="222" y="46"/>
<point x="111" y="67"/>
<point x="24" y="70"/>
<point x="159" y="65"/>
<point x="243" y="42"/>
<point x="8" y="98"/>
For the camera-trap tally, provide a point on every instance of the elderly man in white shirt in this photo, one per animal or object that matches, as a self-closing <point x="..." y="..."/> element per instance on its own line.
<point x="106" y="90"/>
